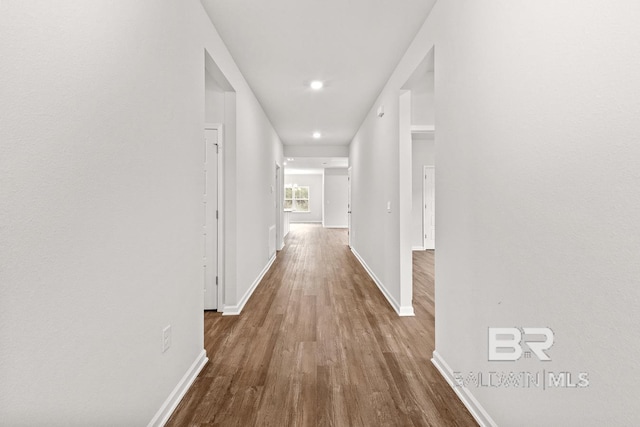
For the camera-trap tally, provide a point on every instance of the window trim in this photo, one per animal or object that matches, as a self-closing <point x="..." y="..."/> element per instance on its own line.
<point x="294" y="199"/>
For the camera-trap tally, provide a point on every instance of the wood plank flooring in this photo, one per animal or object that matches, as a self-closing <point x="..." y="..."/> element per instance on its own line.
<point x="318" y="345"/>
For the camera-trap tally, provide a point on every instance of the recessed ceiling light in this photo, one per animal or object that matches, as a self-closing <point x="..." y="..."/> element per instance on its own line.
<point x="290" y="159"/>
<point x="316" y="85"/>
<point x="317" y="135"/>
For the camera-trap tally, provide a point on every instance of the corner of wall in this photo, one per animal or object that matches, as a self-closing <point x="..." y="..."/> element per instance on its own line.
<point x="464" y="394"/>
<point x="234" y="310"/>
<point x="164" y="413"/>
<point x="402" y="310"/>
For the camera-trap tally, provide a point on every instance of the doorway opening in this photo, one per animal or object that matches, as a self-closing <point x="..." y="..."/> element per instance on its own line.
<point x="315" y="189"/>
<point x="417" y="169"/>
<point x="218" y="129"/>
<point x="278" y="194"/>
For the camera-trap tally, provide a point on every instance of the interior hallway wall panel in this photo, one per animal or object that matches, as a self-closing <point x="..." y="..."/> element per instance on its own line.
<point x="101" y="123"/>
<point x="537" y="205"/>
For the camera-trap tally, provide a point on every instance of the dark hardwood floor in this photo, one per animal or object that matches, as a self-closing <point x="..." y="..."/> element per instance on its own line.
<point x="318" y="345"/>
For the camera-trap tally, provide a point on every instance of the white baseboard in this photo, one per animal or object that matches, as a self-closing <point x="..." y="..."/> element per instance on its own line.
<point x="406" y="311"/>
<point x="401" y="310"/>
<point x="464" y="394"/>
<point x="417" y="248"/>
<point x="170" y="405"/>
<point x="335" y="226"/>
<point x="234" y="310"/>
<point x="272" y="240"/>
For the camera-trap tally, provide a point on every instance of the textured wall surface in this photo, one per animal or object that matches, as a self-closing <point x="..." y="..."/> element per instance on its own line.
<point x="536" y="196"/>
<point x="101" y="127"/>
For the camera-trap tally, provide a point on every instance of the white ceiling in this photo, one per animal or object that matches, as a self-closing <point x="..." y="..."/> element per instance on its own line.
<point x="351" y="45"/>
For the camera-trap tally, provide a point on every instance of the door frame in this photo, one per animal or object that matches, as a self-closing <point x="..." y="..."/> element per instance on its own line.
<point x="220" y="208"/>
<point x="349" y="231"/>
<point x="405" y="204"/>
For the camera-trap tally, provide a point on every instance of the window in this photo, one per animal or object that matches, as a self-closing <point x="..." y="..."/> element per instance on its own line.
<point x="296" y="198"/>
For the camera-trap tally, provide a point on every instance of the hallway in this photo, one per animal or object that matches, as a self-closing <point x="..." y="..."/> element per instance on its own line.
<point x="318" y="345"/>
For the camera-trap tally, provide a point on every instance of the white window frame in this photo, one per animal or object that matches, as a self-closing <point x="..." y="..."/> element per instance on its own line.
<point x="293" y="198"/>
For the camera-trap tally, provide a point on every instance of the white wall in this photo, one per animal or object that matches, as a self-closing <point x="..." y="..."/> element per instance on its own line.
<point x="257" y="149"/>
<point x="314" y="182"/>
<point x="422" y="101"/>
<point x="537" y="217"/>
<point x="214" y="101"/>
<point x="101" y="126"/>
<point x="422" y="154"/>
<point x="251" y="150"/>
<point x="375" y="236"/>
<point x="336" y="198"/>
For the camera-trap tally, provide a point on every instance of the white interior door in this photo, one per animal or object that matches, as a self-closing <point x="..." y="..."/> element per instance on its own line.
<point x="210" y="222"/>
<point x="429" y="216"/>
<point x="278" y="205"/>
<point x="349" y="206"/>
